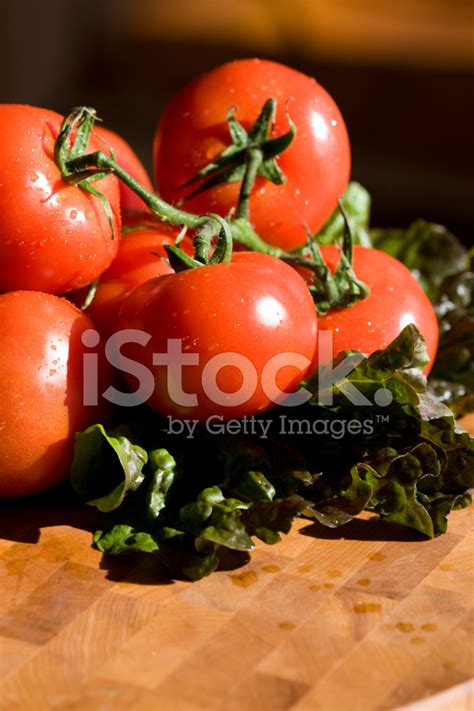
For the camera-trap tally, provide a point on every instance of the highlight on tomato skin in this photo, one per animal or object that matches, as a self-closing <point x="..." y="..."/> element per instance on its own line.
<point x="129" y="161"/>
<point x="396" y="299"/>
<point x="193" y="131"/>
<point x="248" y="311"/>
<point x="54" y="236"/>
<point x="41" y="381"/>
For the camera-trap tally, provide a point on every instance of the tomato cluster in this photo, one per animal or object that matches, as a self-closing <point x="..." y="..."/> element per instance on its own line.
<point x="246" y="323"/>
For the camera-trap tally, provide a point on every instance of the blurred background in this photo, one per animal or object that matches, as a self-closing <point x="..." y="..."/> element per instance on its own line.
<point x="401" y="73"/>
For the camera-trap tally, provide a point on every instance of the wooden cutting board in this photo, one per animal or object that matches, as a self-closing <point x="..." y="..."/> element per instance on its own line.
<point x="375" y="620"/>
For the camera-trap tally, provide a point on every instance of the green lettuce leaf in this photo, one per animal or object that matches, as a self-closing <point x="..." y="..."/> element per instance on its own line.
<point x="124" y="539"/>
<point x="163" y="473"/>
<point x="443" y="266"/>
<point x="356" y="203"/>
<point x="454" y="362"/>
<point x="425" y="455"/>
<point x="106" y="467"/>
<point x="429" y="250"/>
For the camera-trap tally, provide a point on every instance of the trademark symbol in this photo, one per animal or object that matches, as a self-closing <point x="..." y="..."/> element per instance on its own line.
<point x="382" y="419"/>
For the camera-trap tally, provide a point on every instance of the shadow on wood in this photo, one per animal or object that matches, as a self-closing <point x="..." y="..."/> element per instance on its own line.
<point x="21" y="520"/>
<point x="360" y="529"/>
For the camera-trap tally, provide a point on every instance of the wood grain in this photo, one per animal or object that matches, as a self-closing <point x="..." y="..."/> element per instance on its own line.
<point x="379" y="619"/>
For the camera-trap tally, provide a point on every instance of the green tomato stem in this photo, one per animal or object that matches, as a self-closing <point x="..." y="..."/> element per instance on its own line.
<point x="84" y="168"/>
<point x="244" y="234"/>
<point x="253" y="161"/>
<point x="101" y="161"/>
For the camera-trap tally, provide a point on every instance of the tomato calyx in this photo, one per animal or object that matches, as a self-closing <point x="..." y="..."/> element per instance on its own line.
<point x="251" y="153"/>
<point x="203" y="243"/>
<point x="340" y="289"/>
<point x="71" y="143"/>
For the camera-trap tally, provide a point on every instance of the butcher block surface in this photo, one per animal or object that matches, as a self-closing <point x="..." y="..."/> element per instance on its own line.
<point x="379" y="619"/>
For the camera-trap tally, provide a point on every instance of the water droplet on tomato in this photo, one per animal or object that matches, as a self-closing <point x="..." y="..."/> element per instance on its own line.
<point x="73" y="214"/>
<point x="34" y="177"/>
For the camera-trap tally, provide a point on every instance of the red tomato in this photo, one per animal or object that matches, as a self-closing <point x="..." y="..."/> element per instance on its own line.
<point x="54" y="237"/>
<point x="254" y="309"/>
<point x="129" y="161"/>
<point x="41" y="385"/>
<point x="141" y="256"/>
<point x="193" y="131"/>
<point x="395" y="300"/>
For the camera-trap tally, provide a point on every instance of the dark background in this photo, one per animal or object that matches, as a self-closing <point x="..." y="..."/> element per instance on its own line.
<point x="401" y="73"/>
